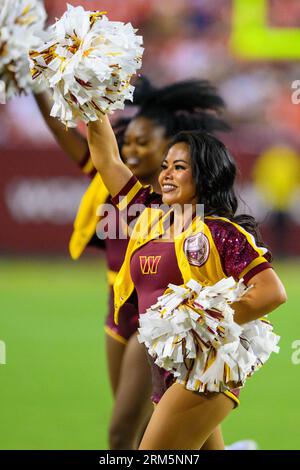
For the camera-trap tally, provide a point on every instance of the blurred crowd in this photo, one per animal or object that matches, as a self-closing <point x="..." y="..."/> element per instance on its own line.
<point x="191" y="38"/>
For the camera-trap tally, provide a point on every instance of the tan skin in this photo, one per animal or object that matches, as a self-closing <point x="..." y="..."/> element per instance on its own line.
<point x="182" y="419"/>
<point x="176" y="180"/>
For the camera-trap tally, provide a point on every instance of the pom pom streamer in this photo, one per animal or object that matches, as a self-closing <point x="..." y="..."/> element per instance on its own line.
<point x="88" y="61"/>
<point x="21" y="25"/>
<point x="191" y="332"/>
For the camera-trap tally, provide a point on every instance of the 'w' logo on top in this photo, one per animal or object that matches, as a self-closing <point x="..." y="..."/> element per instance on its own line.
<point x="149" y="264"/>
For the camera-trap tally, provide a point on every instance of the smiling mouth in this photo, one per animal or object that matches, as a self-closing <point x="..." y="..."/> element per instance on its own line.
<point x="168" y="188"/>
<point x="132" y="161"/>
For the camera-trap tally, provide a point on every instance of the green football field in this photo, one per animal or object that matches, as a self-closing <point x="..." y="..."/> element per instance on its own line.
<point x="54" y="390"/>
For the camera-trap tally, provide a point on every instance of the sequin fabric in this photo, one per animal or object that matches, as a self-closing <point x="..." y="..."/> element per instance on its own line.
<point x="235" y="251"/>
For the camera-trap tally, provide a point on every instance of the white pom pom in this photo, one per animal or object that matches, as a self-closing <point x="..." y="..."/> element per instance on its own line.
<point x="88" y="61"/>
<point x="21" y="23"/>
<point x="191" y="332"/>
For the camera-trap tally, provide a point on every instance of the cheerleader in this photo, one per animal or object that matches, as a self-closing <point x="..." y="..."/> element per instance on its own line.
<point x="197" y="169"/>
<point x="162" y="113"/>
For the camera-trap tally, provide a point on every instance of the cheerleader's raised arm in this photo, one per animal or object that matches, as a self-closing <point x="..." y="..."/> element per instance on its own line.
<point x="106" y="156"/>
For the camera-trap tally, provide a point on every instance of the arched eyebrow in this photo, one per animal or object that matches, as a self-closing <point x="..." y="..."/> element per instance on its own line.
<point x="183" y="161"/>
<point x="176" y="161"/>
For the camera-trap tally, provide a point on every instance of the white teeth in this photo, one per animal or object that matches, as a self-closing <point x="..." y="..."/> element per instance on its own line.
<point x="132" y="161"/>
<point x="168" y="187"/>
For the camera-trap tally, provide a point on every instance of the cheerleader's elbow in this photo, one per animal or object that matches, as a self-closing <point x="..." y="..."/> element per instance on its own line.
<point x="268" y="290"/>
<point x="281" y="297"/>
<point x="278" y="298"/>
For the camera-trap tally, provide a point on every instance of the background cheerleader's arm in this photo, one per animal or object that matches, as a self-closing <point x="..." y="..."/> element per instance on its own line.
<point x="266" y="294"/>
<point x="71" y="141"/>
<point x="106" y="157"/>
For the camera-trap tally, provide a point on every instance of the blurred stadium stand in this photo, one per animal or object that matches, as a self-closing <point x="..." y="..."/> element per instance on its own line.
<point x="183" y="38"/>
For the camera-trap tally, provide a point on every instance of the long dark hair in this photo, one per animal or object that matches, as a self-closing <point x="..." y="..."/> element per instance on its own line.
<point x="214" y="171"/>
<point x="186" y="105"/>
